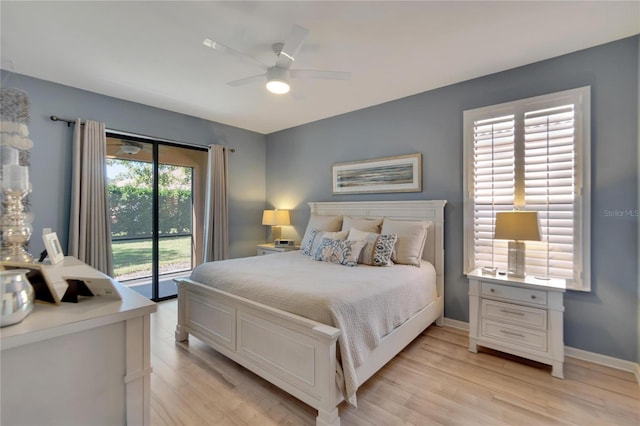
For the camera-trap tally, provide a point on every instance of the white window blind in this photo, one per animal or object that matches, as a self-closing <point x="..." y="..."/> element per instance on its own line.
<point x="493" y="182"/>
<point x="530" y="155"/>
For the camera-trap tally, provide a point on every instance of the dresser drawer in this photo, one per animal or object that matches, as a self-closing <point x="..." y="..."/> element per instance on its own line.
<point x="519" y="336"/>
<point x="514" y="293"/>
<point x="516" y="314"/>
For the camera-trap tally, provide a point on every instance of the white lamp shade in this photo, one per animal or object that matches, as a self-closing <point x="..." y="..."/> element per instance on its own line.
<point x="276" y="217"/>
<point x="518" y="226"/>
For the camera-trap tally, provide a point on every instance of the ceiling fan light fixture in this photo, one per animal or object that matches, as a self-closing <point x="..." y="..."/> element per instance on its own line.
<point x="130" y="149"/>
<point x="277" y="87"/>
<point x="278" y="80"/>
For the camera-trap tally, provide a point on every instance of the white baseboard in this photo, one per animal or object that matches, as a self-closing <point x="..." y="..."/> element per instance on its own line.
<point x="607" y="361"/>
<point x="460" y="325"/>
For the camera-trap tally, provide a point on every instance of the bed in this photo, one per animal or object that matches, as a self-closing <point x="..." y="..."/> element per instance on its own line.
<point x="297" y="353"/>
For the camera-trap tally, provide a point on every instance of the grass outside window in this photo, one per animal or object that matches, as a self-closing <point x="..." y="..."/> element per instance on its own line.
<point x="132" y="258"/>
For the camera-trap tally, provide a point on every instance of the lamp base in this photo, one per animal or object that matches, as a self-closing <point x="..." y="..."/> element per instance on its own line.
<point x="516" y="259"/>
<point x="276" y="232"/>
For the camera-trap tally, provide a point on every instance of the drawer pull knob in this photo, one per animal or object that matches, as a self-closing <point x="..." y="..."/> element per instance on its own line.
<point x="511" y="333"/>
<point x="507" y="311"/>
<point x="533" y="296"/>
<point x="493" y="290"/>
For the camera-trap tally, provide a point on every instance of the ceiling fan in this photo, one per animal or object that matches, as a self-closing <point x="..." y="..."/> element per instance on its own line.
<point x="130" y="147"/>
<point x="278" y="77"/>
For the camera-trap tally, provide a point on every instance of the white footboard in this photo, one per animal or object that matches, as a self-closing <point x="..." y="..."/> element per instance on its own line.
<point x="296" y="354"/>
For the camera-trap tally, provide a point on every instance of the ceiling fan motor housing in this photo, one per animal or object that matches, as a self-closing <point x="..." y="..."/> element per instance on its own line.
<point x="278" y="79"/>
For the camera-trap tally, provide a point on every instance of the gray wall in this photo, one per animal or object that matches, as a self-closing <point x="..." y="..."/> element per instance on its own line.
<point x="605" y="320"/>
<point x="51" y="156"/>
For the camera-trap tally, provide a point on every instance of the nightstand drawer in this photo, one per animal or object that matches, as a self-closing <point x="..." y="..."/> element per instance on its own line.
<point x="271" y="249"/>
<point x="520" y="315"/>
<point x="513" y="334"/>
<point x="514" y="293"/>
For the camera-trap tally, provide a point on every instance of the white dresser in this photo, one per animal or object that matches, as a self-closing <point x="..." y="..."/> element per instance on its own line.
<point x="520" y="316"/>
<point x="85" y="363"/>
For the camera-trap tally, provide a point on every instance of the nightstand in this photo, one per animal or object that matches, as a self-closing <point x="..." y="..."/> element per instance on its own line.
<point x="520" y="316"/>
<point x="269" y="248"/>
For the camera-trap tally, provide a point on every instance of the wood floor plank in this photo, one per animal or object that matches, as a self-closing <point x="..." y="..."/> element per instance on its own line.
<point x="597" y="394"/>
<point x="434" y="381"/>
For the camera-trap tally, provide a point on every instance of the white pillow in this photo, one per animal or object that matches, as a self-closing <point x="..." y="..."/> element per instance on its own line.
<point x="362" y="224"/>
<point x="378" y="248"/>
<point x="316" y="236"/>
<point x="412" y="236"/>
<point x="321" y="223"/>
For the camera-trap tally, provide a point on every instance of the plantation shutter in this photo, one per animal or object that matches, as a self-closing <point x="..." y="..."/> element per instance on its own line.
<point x="530" y="155"/>
<point x="494" y="184"/>
<point x="549" y="185"/>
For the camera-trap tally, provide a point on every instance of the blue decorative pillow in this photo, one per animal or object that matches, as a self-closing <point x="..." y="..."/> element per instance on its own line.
<point x="315" y="236"/>
<point x="378" y="248"/>
<point x="343" y="252"/>
<point x="307" y="243"/>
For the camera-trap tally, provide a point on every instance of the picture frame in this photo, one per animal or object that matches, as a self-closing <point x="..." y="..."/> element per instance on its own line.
<point x="54" y="249"/>
<point x="401" y="173"/>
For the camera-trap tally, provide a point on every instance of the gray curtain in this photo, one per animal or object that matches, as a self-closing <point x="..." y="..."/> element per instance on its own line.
<point x="216" y="219"/>
<point x="89" y="225"/>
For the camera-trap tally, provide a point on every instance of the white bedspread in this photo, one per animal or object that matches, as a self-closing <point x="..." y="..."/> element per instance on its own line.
<point x="364" y="302"/>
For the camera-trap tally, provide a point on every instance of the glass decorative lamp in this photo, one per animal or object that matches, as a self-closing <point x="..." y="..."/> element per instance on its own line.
<point x="276" y="218"/>
<point x="517" y="227"/>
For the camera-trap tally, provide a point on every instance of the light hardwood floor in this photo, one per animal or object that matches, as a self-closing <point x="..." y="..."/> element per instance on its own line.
<point x="434" y="381"/>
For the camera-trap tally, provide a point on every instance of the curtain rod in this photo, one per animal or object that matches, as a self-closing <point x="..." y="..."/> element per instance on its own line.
<point x="69" y="122"/>
<point x="123" y="133"/>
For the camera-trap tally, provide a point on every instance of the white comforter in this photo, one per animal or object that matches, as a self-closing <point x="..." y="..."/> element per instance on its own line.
<point x="364" y="302"/>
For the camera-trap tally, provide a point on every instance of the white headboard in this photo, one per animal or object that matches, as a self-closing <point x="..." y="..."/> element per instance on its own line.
<point x="431" y="210"/>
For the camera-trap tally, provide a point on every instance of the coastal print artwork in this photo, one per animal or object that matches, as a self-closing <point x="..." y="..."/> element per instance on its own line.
<point x="401" y="173"/>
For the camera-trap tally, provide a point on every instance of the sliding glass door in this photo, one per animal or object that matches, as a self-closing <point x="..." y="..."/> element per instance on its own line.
<point x="156" y="198"/>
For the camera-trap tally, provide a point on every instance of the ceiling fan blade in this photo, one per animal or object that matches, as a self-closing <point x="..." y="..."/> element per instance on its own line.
<point x="247" y="80"/>
<point x="292" y="46"/>
<point x="326" y="75"/>
<point x="231" y="51"/>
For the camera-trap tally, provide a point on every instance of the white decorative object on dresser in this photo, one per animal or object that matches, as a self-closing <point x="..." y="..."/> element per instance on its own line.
<point x="79" y="363"/>
<point x="520" y="316"/>
<point x="270" y="248"/>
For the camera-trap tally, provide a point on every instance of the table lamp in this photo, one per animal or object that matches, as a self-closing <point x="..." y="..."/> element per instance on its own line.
<point x="276" y="218"/>
<point x="517" y="227"/>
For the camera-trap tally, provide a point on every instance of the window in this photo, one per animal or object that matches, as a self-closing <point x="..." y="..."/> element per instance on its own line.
<point x="531" y="155"/>
<point x="156" y="200"/>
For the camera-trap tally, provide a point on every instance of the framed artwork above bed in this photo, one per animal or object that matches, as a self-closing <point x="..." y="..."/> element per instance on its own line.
<point x="402" y="173"/>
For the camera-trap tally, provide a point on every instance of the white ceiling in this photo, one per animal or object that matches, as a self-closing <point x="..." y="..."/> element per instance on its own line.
<point x="151" y="52"/>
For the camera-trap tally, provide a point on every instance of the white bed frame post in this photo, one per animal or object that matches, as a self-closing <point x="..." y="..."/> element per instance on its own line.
<point x="329" y="398"/>
<point x="181" y="334"/>
<point x="438" y="255"/>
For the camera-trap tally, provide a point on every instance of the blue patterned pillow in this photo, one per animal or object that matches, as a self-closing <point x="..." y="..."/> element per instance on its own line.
<point x="307" y="243"/>
<point x="343" y="252"/>
<point x="315" y="236"/>
<point x="378" y="248"/>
